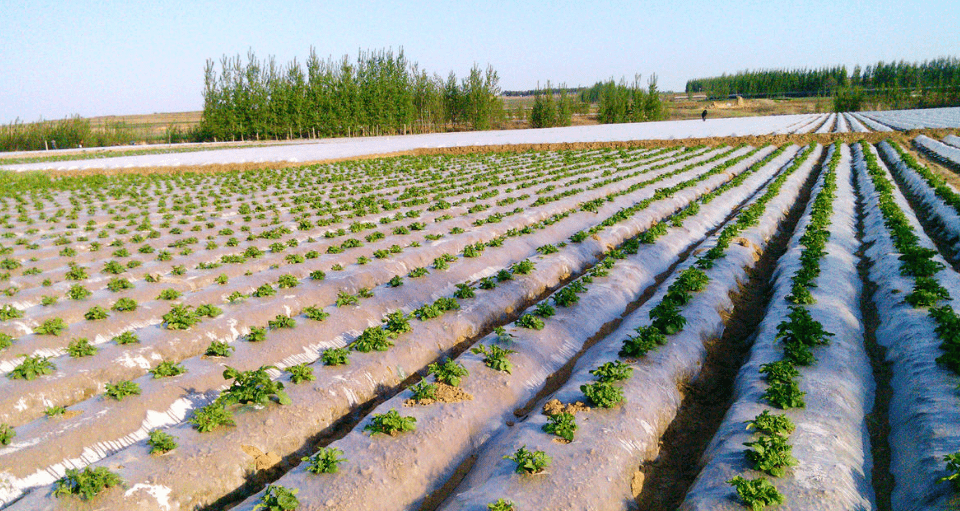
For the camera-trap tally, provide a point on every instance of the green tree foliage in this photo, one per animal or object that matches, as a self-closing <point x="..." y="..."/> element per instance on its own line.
<point x="381" y="92"/>
<point x="620" y="102"/>
<point x="895" y="84"/>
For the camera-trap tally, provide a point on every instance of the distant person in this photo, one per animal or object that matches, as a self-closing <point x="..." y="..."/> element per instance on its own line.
<point x="703" y="115"/>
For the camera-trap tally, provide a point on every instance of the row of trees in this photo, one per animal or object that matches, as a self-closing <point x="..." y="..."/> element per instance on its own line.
<point x="894" y="84"/>
<point x="381" y="92"/>
<point x="553" y="107"/>
<point x="620" y="102"/>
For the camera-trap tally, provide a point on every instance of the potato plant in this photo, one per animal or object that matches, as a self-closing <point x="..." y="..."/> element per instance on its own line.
<point x="390" y="423"/>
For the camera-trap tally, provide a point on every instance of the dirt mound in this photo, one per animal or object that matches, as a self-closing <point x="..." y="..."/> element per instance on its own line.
<point x="444" y="394"/>
<point x="554" y="406"/>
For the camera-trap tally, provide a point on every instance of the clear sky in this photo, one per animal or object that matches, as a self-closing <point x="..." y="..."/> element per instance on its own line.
<point x="128" y="57"/>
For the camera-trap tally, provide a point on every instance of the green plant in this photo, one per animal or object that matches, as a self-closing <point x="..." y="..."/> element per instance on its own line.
<point x="86" y="483"/>
<point x="646" y="339"/>
<point x="562" y="424"/>
<point x="566" y="297"/>
<point x="372" y="339"/>
<point x="544" y="310"/>
<point x="168" y="294"/>
<point x="281" y="321"/>
<point x="300" y="373"/>
<point x="770" y="454"/>
<point x="396" y="323"/>
<point x="529" y="462"/>
<point x="52" y="326"/>
<point x="287" y="281"/>
<point x="953" y="466"/>
<point x="278" y="498"/>
<point x="317" y="275"/>
<point x="264" y="291"/>
<point x="117" y="284"/>
<point x="125" y="305"/>
<point x="167" y="368"/>
<point x="222" y="279"/>
<point x="81" y="348"/>
<point x="31" y="367"/>
<point x="495" y="357"/>
<point x="464" y="291"/>
<point x="48" y="300"/>
<point x="315" y="313"/>
<point x="501" y="505"/>
<point x="211" y="417"/>
<point x="181" y="317"/>
<point x="96" y="313"/>
<point x="418" y="272"/>
<point x="769" y="424"/>
<point x="219" y="349"/>
<point x="326" y="461"/>
<point x="756" y="493"/>
<point x="487" y="283"/>
<point x="254" y="386"/>
<point x="450" y="372"/>
<point x="603" y="394"/>
<point x="427" y="311"/>
<point x="613" y="371"/>
<point x="127" y="337"/>
<point x="530" y="321"/>
<point x="208" y="310"/>
<point x="666" y="317"/>
<point x="344" y="298"/>
<point x="522" y="268"/>
<point x="504" y="275"/>
<point x="7" y="433"/>
<point x="335" y="356"/>
<point x="161" y="442"/>
<point x="78" y="292"/>
<point x="54" y="411"/>
<point x="390" y="423"/>
<point x="396" y="281"/>
<point x="423" y="390"/>
<point x="122" y="389"/>
<point x="784" y="394"/>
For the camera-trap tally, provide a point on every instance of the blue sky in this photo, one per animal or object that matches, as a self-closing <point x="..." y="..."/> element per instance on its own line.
<point x="124" y="57"/>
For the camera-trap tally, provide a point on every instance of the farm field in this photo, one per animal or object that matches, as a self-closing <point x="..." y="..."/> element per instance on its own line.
<point x="712" y="321"/>
<point x="339" y="148"/>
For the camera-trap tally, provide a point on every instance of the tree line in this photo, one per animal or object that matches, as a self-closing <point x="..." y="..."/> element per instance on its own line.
<point x="893" y="84"/>
<point x="381" y="92"/>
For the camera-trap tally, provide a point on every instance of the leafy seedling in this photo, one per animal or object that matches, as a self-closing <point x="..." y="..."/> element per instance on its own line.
<point x="278" y="498"/>
<point x="167" y="368"/>
<point x="529" y="462"/>
<point x="613" y="371"/>
<point x="300" y="373"/>
<point x="449" y="372"/>
<point x="603" y="394"/>
<point x="122" y="389"/>
<point x="335" y="356"/>
<point x="86" y="483"/>
<point x="562" y="424"/>
<point x="495" y="357"/>
<point x="326" y="461"/>
<point x="756" y="493"/>
<point x="390" y="423"/>
<point x="254" y="386"/>
<point x="161" y="442"/>
<point x="31" y="367"/>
